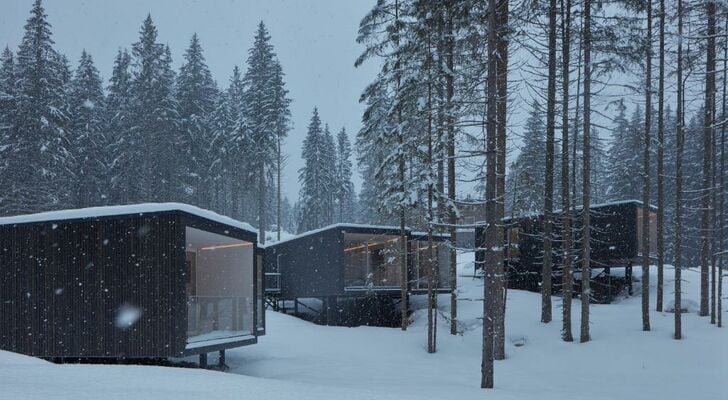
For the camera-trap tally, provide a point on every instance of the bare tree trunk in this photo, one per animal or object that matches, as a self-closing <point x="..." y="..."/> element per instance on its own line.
<point x="586" y="226"/>
<point x="491" y="235"/>
<point x="450" y="126"/>
<point x="262" y="214"/>
<point x="680" y="139"/>
<point x="279" y="166"/>
<point x="548" y="197"/>
<point x="431" y="307"/>
<point x="646" y="179"/>
<point x="402" y="172"/>
<point x="567" y="276"/>
<point x="660" y="164"/>
<point x="499" y="352"/>
<point x="721" y="213"/>
<point x="707" y="152"/>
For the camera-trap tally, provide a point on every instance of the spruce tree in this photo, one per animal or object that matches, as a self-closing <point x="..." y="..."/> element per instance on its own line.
<point x="317" y="177"/>
<point x="345" y="187"/>
<point x="89" y="143"/>
<point x="625" y="177"/>
<point x="196" y="95"/>
<point x="155" y="116"/>
<point x="123" y="144"/>
<point x="41" y="165"/>
<point x="7" y="117"/>
<point x="265" y="115"/>
<point x="526" y="178"/>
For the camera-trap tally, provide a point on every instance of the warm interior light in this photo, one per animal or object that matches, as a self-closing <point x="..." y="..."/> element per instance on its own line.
<point x="226" y="246"/>
<point x="370" y="245"/>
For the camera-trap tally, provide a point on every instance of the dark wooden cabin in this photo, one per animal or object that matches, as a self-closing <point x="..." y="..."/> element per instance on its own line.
<point x="348" y="274"/>
<point x="616" y="230"/>
<point x="138" y="281"/>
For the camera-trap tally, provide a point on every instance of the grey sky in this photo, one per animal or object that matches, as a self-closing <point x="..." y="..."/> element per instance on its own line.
<point x="314" y="39"/>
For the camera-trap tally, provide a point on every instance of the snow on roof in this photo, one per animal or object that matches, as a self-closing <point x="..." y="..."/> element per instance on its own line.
<point x="599" y="205"/>
<point x="95" y="212"/>
<point x="333" y="226"/>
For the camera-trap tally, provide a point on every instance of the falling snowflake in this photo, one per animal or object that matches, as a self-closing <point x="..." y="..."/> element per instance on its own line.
<point x="126" y="316"/>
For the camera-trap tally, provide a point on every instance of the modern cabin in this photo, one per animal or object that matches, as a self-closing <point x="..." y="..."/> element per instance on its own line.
<point x="326" y="272"/>
<point x="138" y="281"/>
<point x="616" y="231"/>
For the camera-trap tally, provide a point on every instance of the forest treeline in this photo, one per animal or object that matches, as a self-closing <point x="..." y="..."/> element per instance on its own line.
<point x="153" y="134"/>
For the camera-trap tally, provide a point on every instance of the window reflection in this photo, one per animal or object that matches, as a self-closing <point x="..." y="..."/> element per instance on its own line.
<point x="220" y="293"/>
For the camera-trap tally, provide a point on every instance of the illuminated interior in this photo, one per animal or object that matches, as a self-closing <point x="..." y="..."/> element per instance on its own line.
<point x="220" y="291"/>
<point x="371" y="261"/>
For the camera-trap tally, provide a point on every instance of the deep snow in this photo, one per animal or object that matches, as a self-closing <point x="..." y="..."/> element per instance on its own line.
<point x="299" y="360"/>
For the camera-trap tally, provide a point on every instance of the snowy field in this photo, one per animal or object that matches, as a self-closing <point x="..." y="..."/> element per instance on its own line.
<point x="299" y="360"/>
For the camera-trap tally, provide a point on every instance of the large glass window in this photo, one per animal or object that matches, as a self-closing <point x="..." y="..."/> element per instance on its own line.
<point x="220" y="287"/>
<point x="372" y="261"/>
<point x="440" y="261"/>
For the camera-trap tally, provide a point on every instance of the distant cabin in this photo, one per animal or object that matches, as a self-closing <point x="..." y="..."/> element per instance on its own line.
<point x="348" y="274"/>
<point x="616" y="232"/>
<point x="136" y="281"/>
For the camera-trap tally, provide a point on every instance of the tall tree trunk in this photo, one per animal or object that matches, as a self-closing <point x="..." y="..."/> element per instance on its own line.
<point x="431" y="308"/>
<point x="586" y="226"/>
<point x="491" y="235"/>
<point x="660" y="164"/>
<point x="646" y="178"/>
<point x="567" y="276"/>
<point x="500" y="286"/>
<point x="279" y="166"/>
<point x="721" y="213"/>
<point x="707" y="152"/>
<point x="680" y="139"/>
<point x="261" y="204"/>
<point x="402" y="175"/>
<point x="549" y="183"/>
<point x="450" y="126"/>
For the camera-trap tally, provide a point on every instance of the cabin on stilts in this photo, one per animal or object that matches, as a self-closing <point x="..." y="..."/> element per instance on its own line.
<point x="147" y="281"/>
<point x="616" y="242"/>
<point x="348" y="274"/>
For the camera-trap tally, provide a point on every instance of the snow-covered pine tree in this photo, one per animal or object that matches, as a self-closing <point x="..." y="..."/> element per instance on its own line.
<point x="123" y="143"/>
<point x="526" y="178"/>
<point x="317" y="177"/>
<point x="282" y="124"/>
<point x="41" y="161"/>
<point x="7" y="117"/>
<point x="288" y="219"/>
<point x="89" y="144"/>
<point x="625" y="177"/>
<point x="345" y="187"/>
<point x="196" y="93"/>
<point x="228" y="139"/>
<point x="265" y="109"/>
<point x="371" y="156"/>
<point x="155" y="117"/>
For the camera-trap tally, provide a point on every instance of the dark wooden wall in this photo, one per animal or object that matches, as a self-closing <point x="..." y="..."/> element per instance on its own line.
<point x="64" y="283"/>
<point x="614" y="241"/>
<point x="310" y="266"/>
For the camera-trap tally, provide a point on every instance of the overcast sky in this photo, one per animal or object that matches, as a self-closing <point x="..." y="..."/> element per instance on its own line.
<point x="315" y="41"/>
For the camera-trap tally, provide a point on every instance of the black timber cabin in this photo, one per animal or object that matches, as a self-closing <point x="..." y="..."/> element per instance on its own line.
<point x="147" y="281"/>
<point x="348" y="274"/>
<point x="616" y="231"/>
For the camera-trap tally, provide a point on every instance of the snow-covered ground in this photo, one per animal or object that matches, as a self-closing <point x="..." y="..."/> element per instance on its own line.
<point x="299" y="360"/>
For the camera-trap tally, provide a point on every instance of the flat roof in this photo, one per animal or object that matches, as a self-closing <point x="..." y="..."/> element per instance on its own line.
<point x="336" y="226"/>
<point x="557" y="211"/>
<point x="130" y="209"/>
